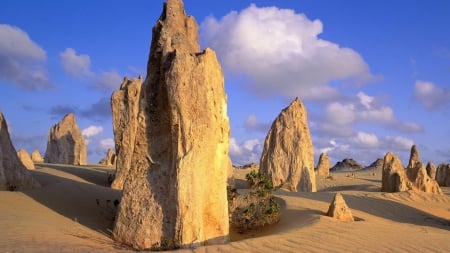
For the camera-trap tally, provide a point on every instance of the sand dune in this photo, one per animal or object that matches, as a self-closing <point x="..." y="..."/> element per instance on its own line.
<point x="72" y="212"/>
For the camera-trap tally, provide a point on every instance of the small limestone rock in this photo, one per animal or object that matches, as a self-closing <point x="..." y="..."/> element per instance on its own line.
<point x="431" y="170"/>
<point x="65" y="143"/>
<point x="13" y="174"/>
<point x="323" y="166"/>
<point x="425" y="183"/>
<point x="443" y="174"/>
<point x="393" y="178"/>
<point x="36" y="156"/>
<point x="339" y="210"/>
<point x="288" y="155"/>
<point x="25" y="159"/>
<point x="125" y="108"/>
<point x="109" y="159"/>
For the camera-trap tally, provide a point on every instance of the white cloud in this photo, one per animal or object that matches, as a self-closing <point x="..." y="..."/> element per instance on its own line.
<point x="106" y="144"/>
<point x="281" y="53"/>
<point x="431" y="96"/>
<point x="22" y="61"/>
<point x="340" y="114"/>
<point x="108" y="80"/>
<point x="76" y="65"/>
<point x="91" y="131"/>
<point x="248" y="151"/>
<point x="398" y="142"/>
<point x="79" y="65"/>
<point x="365" y="140"/>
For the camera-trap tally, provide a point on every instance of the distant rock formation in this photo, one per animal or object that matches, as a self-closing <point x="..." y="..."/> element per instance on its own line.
<point x="36" y="156"/>
<point x="288" y="154"/>
<point x="414" y="157"/>
<point x="65" y="143"/>
<point x="339" y="210"/>
<point x="347" y="164"/>
<point x="431" y="170"/>
<point x="323" y="166"/>
<point x="175" y="193"/>
<point x="443" y="174"/>
<point x="376" y="165"/>
<point x="395" y="178"/>
<point x="250" y="166"/>
<point x="109" y="159"/>
<point x="25" y="159"/>
<point x="125" y="108"/>
<point x="13" y="174"/>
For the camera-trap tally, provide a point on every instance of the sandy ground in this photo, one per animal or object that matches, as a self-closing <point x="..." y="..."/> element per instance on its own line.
<point x="72" y="212"/>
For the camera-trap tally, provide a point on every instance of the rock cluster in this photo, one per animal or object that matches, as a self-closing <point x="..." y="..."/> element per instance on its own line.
<point x="13" y="174"/>
<point x="443" y="174"/>
<point x="25" y="159"/>
<point x="36" y="156"/>
<point x="175" y="192"/>
<point x="288" y="155"/>
<point x="339" y="210"/>
<point x="109" y="159"/>
<point x="125" y="108"/>
<point x="395" y="178"/>
<point x="323" y="166"/>
<point x="347" y="164"/>
<point x="65" y="143"/>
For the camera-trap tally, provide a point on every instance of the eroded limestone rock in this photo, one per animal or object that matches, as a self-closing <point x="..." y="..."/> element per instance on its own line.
<point x="323" y="166"/>
<point x="339" y="210"/>
<point x="36" y="156"/>
<point x="443" y="174"/>
<point x="13" y="174"/>
<point x="65" y="143"/>
<point x="109" y="159"/>
<point x="175" y="193"/>
<point x="25" y="159"/>
<point x="288" y="155"/>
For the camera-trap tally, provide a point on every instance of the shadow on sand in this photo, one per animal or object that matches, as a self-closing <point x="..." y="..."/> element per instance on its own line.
<point x="90" y="205"/>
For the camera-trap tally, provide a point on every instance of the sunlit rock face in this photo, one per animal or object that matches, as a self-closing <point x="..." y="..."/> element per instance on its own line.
<point x="175" y="191"/>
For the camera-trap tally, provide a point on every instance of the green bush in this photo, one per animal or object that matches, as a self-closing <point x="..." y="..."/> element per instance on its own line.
<point x="256" y="209"/>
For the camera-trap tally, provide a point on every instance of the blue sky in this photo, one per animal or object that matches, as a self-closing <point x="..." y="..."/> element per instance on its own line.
<point x="374" y="75"/>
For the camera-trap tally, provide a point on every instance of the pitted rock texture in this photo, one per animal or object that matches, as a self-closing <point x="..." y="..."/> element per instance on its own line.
<point x="288" y="155"/>
<point x="339" y="210"/>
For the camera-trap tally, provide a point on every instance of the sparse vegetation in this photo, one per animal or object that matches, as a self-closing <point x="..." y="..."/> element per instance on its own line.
<point x="256" y="209"/>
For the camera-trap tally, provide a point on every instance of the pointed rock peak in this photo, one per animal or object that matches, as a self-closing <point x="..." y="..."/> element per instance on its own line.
<point x="339" y="210"/>
<point x="414" y="157"/>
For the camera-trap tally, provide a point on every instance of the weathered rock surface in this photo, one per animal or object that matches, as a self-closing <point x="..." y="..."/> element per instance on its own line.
<point x="431" y="170"/>
<point x="376" y="165"/>
<point x="347" y="164"/>
<point x="13" y="174"/>
<point x="109" y="159"/>
<point x="36" y="156"/>
<point x="443" y="174"/>
<point x="65" y="143"/>
<point x="25" y="158"/>
<point x="339" y="210"/>
<point x="175" y="193"/>
<point x="288" y="155"/>
<point x="395" y="178"/>
<point x="414" y="157"/>
<point x="323" y="166"/>
<point x="125" y="108"/>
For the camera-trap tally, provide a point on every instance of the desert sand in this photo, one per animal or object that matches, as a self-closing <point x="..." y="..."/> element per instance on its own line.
<point x="73" y="212"/>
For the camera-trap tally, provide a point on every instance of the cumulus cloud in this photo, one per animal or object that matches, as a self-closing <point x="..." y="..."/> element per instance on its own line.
<point x="91" y="131"/>
<point x="431" y="96"/>
<point x="364" y="109"/>
<point x="366" y="140"/>
<point x="252" y="124"/>
<point x="79" y="65"/>
<point x="98" y="111"/>
<point x="22" y="61"/>
<point x="74" y="64"/>
<point x="280" y="52"/>
<point x="106" y="144"/>
<point x="248" y="151"/>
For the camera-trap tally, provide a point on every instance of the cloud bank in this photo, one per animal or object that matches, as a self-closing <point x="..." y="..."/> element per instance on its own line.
<point x="22" y="61"/>
<point x="281" y="53"/>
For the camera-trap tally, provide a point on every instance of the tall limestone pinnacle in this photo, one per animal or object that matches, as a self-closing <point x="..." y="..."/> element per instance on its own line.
<point x="288" y="154"/>
<point x="66" y="143"/>
<point x="13" y="174"/>
<point x="175" y="192"/>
